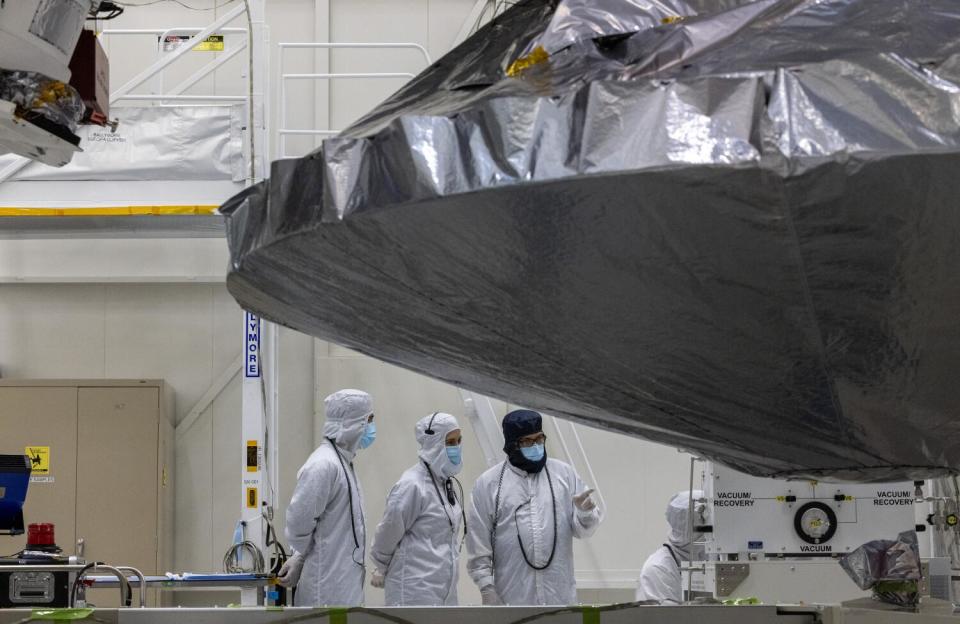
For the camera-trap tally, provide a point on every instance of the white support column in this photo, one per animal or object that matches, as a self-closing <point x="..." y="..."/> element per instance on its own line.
<point x="259" y="398"/>
<point x="486" y="425"/>
<point x="272" y="443"/>
<point x="259" y="55"/>
<point x="253" y="486"/>
<point x="322" y="63"/>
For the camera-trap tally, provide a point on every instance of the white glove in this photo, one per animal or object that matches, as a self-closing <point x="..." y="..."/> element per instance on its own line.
<point x="289" y="574"/>
<point x="377" y="580"/>
<point x="584" y="502"/>
<point x="489" y="596"/>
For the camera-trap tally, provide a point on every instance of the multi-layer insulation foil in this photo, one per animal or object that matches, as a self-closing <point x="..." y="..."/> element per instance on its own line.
<point x="737" y="232"/>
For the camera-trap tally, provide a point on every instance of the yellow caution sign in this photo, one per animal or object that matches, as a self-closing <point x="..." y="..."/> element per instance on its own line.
<point x="213" y="43"/>
<point x="252" y="498"/>
<point x="39" y="459"/>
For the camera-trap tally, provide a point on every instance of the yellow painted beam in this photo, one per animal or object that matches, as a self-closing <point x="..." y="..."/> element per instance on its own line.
<point x="111" y="211"/>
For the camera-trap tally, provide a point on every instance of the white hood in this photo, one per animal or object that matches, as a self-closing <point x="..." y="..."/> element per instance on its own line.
<point x="433" y="448"/>
<point x="678" y="516"/>
<point x="347" y="412"/>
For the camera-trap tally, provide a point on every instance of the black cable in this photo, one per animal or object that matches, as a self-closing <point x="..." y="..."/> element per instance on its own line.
<point x="76" y="581"/>
<point x="429" y="430"/>
<point x="272" y="539"/>
<point x="463" y="510"/>
<point x="676" y="560"/>
<point x="353" y="524"/>
<point x="433" y="480"/>
<point x="104" y="18"/>
<point x="281" y="553"/>
<point x="553" y="549"/>
<point x="450" y="495"/>
<point x="184" y="5"/>
<point x="496" y="519"/>
<point x="106" y="11"/>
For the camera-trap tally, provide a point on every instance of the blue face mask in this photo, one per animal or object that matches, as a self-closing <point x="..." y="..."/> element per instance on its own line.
<point x="533" y="453"/>
<point x="369" y="435"/>
<point x="455" y="454"/>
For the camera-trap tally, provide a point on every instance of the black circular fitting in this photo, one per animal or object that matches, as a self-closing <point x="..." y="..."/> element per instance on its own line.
<point x="809" y="523"/>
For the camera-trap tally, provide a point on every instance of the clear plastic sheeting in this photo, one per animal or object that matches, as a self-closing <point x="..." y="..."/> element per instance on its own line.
<point x="733" y="233"/>
<point x="891" y="568"/>
<point x="155" y="143"/>
<point x="35" y="93"/>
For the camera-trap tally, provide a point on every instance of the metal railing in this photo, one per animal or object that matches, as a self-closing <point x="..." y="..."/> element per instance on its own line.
<point x="167" y="58"/>
<point x="284" y="130"/>
<point x="161" y="93"/>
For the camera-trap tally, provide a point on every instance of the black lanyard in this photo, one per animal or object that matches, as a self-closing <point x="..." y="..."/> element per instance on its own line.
<point x="672" y="554"/>
<point x="353" y="523"/>
<point x="452" y="500"/>
<point x="496" y="519"/>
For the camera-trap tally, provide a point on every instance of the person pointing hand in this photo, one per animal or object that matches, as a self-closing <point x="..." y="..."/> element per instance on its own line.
<point x="524" y="514"/>
<point x="584" y="502"/>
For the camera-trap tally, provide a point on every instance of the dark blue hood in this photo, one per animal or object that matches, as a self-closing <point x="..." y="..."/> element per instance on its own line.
<point x="517" y="424"/>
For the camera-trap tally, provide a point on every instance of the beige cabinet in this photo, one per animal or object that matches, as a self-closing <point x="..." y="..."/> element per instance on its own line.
<point x="37" y="420"/>
<point x="109" y="445"/>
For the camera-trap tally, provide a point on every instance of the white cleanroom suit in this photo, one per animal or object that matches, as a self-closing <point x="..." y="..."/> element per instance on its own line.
<point x="542" y="502"/>
<point x="417" y="544"/>
<point x="325" y="523"/>
<point x="660" y="579"/>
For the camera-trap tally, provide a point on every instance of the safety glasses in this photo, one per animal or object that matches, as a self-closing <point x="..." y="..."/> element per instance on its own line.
<point x="529" y="441"/>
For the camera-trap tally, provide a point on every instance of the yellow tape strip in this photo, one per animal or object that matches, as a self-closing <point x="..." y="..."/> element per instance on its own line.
<point x="539" y="55"/>
<point x="112" y="211"/>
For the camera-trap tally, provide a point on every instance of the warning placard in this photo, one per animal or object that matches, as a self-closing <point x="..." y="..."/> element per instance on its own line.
<point x="39" y="459"/>
<point x="252" y="498"/>
<point x="213" y="43"/>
